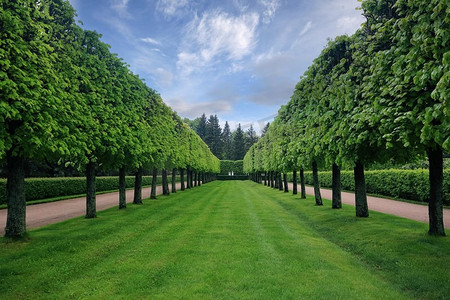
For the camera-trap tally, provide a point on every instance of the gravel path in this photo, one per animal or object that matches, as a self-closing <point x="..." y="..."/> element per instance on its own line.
<point x="48" y="213"/>
<point x="398" y="208"/>
<point x="53" y="212"/>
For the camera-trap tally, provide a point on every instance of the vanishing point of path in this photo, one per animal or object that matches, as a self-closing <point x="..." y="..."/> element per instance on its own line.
<point x="48" y="213"/>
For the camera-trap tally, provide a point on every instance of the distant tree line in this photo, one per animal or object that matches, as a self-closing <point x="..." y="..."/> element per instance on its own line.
<point x="225" y="144"/>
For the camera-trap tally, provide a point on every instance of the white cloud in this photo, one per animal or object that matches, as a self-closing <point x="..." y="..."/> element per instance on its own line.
<point x="193" y="110"/>
<point x="171" y="7"/>
<point x="217" y="35"/>
<point x="306" y="28"/>
<point x="271" y="7"/>
<point x="151" y="41"/>
<point x="349" y="24"/>
<point x="120" y="7"/>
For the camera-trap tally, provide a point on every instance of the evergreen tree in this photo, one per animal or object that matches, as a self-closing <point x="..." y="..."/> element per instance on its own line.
<point x="238" y="144"/>
<point x="265" y="129"/>
<point x="227" y="142"/>
<point x="201" y="127"/>
<point x="250" y="138"/>
<point x="213" y="135"/>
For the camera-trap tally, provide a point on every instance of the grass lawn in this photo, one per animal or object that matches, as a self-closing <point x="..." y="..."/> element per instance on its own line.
<point x="232" y="240"/>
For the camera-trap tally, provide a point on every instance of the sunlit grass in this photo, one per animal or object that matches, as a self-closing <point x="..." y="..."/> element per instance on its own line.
<point x="227" y="240"/>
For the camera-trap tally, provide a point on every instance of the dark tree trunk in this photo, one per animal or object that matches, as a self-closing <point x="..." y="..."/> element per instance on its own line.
<point x="294" y="182"/>
<point x="199" y="179"/>
<point x="302" y="184"/>
<point x="15" y="197"/>
<point x="265" y="178"/>
<point x="435" y="212"/>
<point x="286" y="187"/>
<point x="122" y="188"/>
<point x="188" y="178"/>
<point x="91" y="209"/>
<point x="280" y="181"/>
<point x="275" y="180"/>
<point x="336" y="186"/>
<point x="362" y="209"/>
<point x="271" y="179"/>
<point x="165" y="182"/>
<point x="174" y="180"/>
<point x="154" y="181"/>
<point x="191" y="178"/>
<point x="317" y="195"/>
<point x="138" y="186"/>
<point x="182" y="179"/>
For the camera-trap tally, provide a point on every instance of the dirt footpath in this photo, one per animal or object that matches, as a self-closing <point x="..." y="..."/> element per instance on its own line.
<point x="39" y="215"/>
<point x="398" y="208"/>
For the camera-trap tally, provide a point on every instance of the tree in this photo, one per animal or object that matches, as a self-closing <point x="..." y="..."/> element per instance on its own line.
<point x="227" y="142"/>
<point x="265" y="129"/>
<point x="250" y="138"/>
<point x="213" y="136"/>
<point x="201" y="127"/>
<point x="238" y="144"/>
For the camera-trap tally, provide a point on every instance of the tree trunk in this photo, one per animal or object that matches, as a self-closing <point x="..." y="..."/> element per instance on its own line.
<point x="154" y="181"/>
<point x="165" y="183"/>
<point x="280" y="181"/>
<point x="302" y="184"/>
<point x="199" y="178"/>
<point x="317" y="195"/>
<point x="271" y="179"/>
<point x="15" y="197"/>
<point x="286" y="187"/>
<point x="122" y="188"/>
<point x="362" y="209"/>
<point x="182" y="179"/>
<point x="174" y="180"/>
<point x="188" y="178"/>
<point x="265" y="178"/>
<point x="91" y="209"/>
<point x="138" y="186"/>
<point x="336" y="186"/>
<point x="294" y="182"/>
<point x="435" y="213"/>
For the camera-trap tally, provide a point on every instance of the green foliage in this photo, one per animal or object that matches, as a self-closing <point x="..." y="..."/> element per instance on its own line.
<point x="235" y="166"/>
<point x="405" y="184"/>
<point x="43" y="188"/>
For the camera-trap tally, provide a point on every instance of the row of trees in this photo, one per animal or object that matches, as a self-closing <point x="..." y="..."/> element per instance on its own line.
<point x="379" y="95"/>
<point x="225" y="144"/>
<point x="64" y="97"/>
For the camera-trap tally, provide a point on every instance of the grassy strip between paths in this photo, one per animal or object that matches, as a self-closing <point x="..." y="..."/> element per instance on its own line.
<point x="233" y="240"/>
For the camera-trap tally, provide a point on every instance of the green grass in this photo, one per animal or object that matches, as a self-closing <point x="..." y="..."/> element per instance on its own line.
<point x="233" y="240"/>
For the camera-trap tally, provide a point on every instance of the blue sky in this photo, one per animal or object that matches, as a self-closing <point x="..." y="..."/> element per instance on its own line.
<point x="239" y="59"/>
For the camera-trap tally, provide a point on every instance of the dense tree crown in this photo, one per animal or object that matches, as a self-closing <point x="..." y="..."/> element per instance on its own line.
<point x="65" y="98"/>
<point x="381" y="94"/>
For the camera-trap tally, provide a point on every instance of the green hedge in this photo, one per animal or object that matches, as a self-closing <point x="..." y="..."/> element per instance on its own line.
<point x="405" y="184"/>
<point x="43" y="188"/>
<point x="237" y="166"/>
<point x="235" y="177"/>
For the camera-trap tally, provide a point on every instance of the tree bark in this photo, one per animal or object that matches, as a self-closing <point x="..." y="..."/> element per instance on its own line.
<point x="265" y="178"/>
<point x="435" y="212"/>
<point x="165" y="183"/>
<point x="15" y="197"/>
<point x="199" y="179"/>
<point x="336" y="186"/>
<point x="91" y="209"/>
<point x="302" y="184"/>
<point x="174" y="180"/>
<point x="188" y="178"/>
<point x="362" y="209"/>
<point x="286" y="187"/>
<point x="317" y="195"/>
<point x="154" y="181"/>
<point x="182" y="179"/>
<point x="294" y="182"/>
<point x="280" y="181"/>
<point x="272" y="184"/>
<point x="138" y="186"/>
<point x="122" y="188"/>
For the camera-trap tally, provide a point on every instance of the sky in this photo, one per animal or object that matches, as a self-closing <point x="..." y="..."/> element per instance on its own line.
<point x="239" y="59"/>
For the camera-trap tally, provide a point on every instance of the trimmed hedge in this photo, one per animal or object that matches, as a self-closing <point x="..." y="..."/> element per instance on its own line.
<point x="405" y="184"/>
<point x="235" y="177"/>
<point x="237" y="166"/>
<point x="44" y="188"/>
